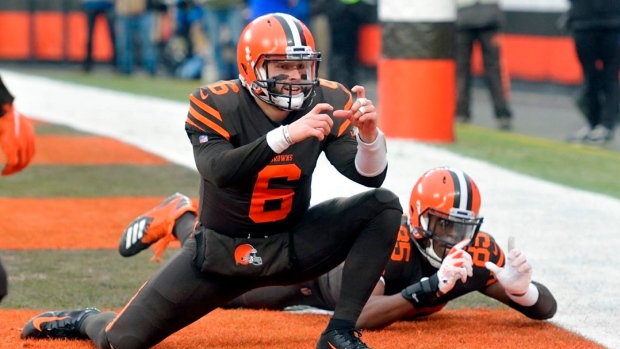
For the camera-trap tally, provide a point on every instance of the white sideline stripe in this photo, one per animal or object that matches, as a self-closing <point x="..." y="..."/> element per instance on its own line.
<point x="570" y="236"/>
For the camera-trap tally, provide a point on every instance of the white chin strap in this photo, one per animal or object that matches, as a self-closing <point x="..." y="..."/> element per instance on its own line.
<point x="429" y="253"/>
<point x="432" y="257"/>
<point x="296" y="101"/>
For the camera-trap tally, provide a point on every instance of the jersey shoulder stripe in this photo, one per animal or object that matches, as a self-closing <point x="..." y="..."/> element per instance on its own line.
<point x="205" y="107"/>
<point x="205" y="117"/>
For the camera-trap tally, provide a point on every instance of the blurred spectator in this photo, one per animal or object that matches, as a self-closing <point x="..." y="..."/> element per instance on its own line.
<point x="480" y="22"/>
<point x="299" y="9"/>
<point x="345" y="19"/>
<point x="223" y="20"/>
<point x="94" y="9"/>
<point x="595" y="26"/>
<point x="135" y="19"/>
<point x="182" y="54"/>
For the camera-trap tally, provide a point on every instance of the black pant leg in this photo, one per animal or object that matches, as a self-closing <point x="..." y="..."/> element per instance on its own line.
<point x="586" y="46"/>
<point x="464" y="47"/>
<point x="610" y="57"/>
<point x="491" y="56"/>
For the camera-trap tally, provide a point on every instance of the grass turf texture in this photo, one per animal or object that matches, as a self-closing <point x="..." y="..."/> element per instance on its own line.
<point x="82" y="207"/>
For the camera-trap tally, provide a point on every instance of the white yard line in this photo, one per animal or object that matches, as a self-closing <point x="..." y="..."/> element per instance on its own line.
<point x="572" y="237"/>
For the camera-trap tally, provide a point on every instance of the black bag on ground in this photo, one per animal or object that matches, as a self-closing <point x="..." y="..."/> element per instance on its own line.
<point x="252" y="257"/>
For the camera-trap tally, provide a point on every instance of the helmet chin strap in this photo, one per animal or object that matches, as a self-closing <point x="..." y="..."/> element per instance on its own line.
<point x="432" y="257"/>
<point x="429" y="253"/>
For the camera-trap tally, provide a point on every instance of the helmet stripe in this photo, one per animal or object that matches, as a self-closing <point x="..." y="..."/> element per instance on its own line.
<point x="292" y="30"/>
<point x="462" y="189"/>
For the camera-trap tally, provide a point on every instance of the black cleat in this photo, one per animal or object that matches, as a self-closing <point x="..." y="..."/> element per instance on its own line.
<point x="341" y="339"/>
<point x="57" y="324"/>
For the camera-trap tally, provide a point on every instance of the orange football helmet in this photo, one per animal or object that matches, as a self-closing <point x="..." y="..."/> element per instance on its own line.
<point x="277" y="37"/>
<point x="443" y="210"/>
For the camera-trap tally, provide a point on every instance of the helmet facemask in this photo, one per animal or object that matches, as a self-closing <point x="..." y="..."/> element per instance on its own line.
<point x="273" y="90"/>
<point x="440" y="231"/>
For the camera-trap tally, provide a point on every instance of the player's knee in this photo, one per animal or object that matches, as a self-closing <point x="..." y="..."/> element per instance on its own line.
<point x="387" y="199"/>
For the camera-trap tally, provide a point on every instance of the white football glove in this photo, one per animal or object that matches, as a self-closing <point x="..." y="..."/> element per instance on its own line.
<point x="516" y="276"/>
<point x="456" y="265"/>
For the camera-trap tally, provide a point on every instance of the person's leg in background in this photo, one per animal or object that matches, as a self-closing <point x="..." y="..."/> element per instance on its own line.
<point x="343" y="31"/>
<point x="585" y="45"/>
<point x="491" y="56"/>
<point x="213" y="23"/>
<point x="235" y="23"/>
<point x="464" y="47"/>
<point x="91" y="13"/>
<point x="610" y="59"/>
<point x="124" y="44"/>
<point x="145" y="23"/>
<point x="110" y="17"/>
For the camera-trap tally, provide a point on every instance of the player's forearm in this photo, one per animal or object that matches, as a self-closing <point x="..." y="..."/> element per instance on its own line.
<point x="544" y="308"/>
<point x="382" y="311"/>
<point x="371" y="157"/>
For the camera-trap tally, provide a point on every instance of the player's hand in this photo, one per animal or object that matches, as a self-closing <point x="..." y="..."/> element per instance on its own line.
<point x="362" y="115"/>
<point x="16" y="140"/>
<point x="314" y="124"/>
<point x="516" y="275"/>
<point x="456" y="265"/>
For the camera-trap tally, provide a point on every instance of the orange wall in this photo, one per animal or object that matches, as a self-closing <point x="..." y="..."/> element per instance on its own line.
<point x="524" y="57"/>
<point x="55" y="37"/>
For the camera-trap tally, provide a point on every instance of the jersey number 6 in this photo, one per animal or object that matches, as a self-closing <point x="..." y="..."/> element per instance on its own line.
<point x="264" y="195"/>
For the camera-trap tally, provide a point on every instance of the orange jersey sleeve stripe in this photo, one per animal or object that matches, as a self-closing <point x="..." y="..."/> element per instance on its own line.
<point x="189" y="121"/>
<point x="347" y="106"/>
<point x="205" y="107"/>
<point x="349" y="102"/>
<point x="343" y="127"/>
<point x="212" y="125"/>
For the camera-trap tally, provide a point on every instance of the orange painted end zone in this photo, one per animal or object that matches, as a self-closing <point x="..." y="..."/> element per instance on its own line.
<point x="63" y="223"/>
<point x="417" y="99"/>
<point x="464" y="328"/>
<point x="90" y="150"/>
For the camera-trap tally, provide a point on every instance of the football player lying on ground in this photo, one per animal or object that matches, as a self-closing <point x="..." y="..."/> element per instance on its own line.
<point x="440" y="255"/>
<point x="17" y="142"/>
<point x="256" y="142"/>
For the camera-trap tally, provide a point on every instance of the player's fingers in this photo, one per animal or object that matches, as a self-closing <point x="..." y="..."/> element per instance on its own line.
<point x="460" y="245"/>
<point x="513" y="254"/>
<point x="518" y="260"/>
<point x="525" y="268"/>
<point x="360" y="91"/>
<point x="321" y="107"/>
<point x="511" y="243"/>
<point x="492" y="267"/>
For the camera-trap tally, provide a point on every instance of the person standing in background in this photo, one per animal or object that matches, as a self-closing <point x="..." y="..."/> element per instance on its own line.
<point x="595" y="27"/>
<point x="345" y="18"/>
<point x="93" y="9"/>
<point x="135" y="18"/>
<point x="480" y="21"/>
<point x="227" y="14"/>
